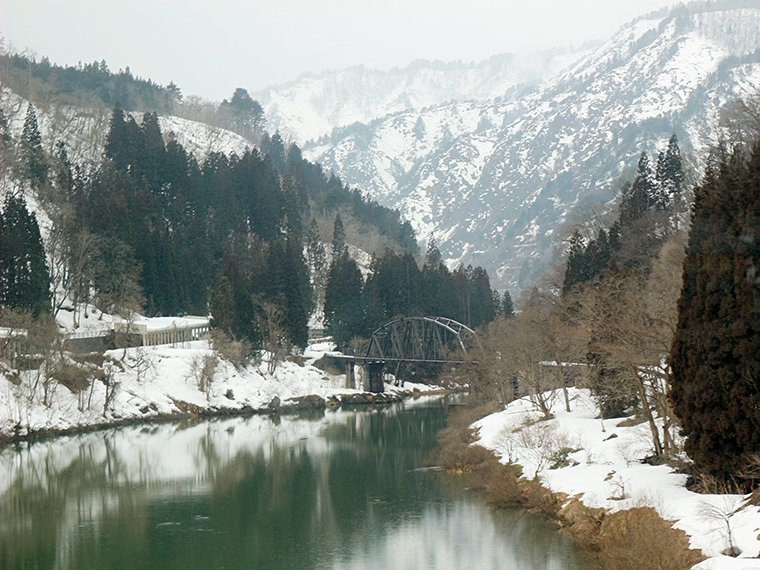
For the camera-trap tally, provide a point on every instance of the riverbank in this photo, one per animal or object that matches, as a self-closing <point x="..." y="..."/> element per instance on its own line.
<point x="590" y="476"/>
<point x="169" y="382"/>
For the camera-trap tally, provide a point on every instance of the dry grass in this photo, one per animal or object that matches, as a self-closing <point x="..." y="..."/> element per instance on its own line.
<point x="75" y="377"/>
<point x="235" y="351"/>
<point x="582" y="523"/>
<point x="635" y="539"/>
<point x="638" y="539"/>
<point x="454" y="452"/>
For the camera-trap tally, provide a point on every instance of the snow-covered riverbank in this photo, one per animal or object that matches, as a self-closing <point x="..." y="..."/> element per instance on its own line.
<point x="164" y="381"/>
<point x="601" y="464"/>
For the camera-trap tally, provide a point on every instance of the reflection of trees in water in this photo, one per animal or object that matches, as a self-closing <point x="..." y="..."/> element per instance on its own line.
<point x="100" y="497"/>
<point x="54" y="502"/>
<point x="238" y="493"/>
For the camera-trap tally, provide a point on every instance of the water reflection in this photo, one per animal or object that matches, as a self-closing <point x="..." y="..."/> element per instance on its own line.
<point x="333" y="490"/>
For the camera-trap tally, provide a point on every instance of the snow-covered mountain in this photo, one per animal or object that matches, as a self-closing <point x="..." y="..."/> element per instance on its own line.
<point x="314" y="105"/>
<point x="494" y="180"/>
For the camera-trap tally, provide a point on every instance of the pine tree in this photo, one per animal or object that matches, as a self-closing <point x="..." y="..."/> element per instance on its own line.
<point x="246" y="112"/>
<point x="339" y="236"/>
<point x="507" y="307"/>
<point x="670" y="174"/>
<point x="297" y="294"/>
<point x="437" y="294"/>
<point x="24" y="276"/>
<point x="117" y="144"/>
<point x="153" y="159"/>
<point x="344" y="316"/>
<point x="715" y="357"/>
<point x="30" y="153"/>
<point x="231" y="306"/>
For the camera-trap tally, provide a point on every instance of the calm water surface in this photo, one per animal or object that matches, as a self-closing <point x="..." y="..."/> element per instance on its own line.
<point x="334" y="490"/>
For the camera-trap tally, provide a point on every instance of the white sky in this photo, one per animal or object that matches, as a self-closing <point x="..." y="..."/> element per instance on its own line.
<point x="211" y="47"/>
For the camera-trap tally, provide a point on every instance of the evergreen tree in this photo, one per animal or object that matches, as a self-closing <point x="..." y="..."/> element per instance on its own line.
<point x="640" y="196"/>
<point x="589" y="261"/>
<point x="339" y="236"/>
<point x="231" y="306"/>
<point x="642" y="225"/>
<point x="437" y="295"/>
<point x="152" y="161"/>
<point x="117" y="143"/>
<point x="344" y="316"/>
<point x="297" y="294"/>
<point x="247" y="114"/>
<point x="670" y="175"/>
<point x="24" y="276"/>
<point x="507" y="307"/>
<point x="393" y="289"/>
<point x="715" y="357"/>
<point x="474" y="305"/>
<point x="32" y="156"/>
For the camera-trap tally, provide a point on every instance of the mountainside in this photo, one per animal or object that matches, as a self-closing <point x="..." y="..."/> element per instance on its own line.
<point x="314" y="105"/>
<point x="494" y="181"/>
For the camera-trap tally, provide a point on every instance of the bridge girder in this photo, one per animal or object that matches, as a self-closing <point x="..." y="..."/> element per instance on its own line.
<point x="421" y="339"/>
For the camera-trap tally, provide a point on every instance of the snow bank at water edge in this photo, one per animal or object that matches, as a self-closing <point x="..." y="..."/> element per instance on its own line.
<point x="163" y="381"/>
<point x="604" y="468"/>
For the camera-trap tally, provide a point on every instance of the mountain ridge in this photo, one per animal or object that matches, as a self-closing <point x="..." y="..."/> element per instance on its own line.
<point x="493" y="181"/>
<point x="313" y="105"/>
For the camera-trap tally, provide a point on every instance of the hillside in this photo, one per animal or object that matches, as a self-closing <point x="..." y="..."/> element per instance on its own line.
<point x="313" y="106"/>
<point x="494" y="181"/>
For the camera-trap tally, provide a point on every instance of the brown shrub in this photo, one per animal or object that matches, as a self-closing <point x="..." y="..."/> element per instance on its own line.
<point x="504" y="489"/>
<point x="582" y="523"/>
<point x="73" y="376"/>
<point x="538" y="499"/>
<point x="638" y="539"/>
<point x="236" y="352"/>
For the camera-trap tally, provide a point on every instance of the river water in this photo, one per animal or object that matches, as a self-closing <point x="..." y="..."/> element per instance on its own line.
<point x="335" y="490"/>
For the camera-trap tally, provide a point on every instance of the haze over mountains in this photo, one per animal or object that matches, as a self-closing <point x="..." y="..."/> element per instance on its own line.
<point x="491" y="159"/>
<point x="313" y="105"/>
<point x="491" y="165"/>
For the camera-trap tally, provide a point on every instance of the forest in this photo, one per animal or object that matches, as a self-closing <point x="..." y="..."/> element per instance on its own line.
<point x="654" y="309"/>
<point x="150" y="228"/>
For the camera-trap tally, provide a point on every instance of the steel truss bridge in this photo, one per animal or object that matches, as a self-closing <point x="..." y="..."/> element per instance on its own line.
<point x="423" y="340"/>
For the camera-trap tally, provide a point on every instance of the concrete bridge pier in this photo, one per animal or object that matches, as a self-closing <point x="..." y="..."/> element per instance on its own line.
<point x="375" y="374"/>
<point x="350" y="374"/>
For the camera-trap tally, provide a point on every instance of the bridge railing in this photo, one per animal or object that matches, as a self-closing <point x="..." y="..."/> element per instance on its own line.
<point x="175" y="335"/>
<point x="171" y="335"/>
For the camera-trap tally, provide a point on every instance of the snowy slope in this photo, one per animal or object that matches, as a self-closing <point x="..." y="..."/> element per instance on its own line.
<point x="84" y="130"/>
<point x="314" y="105"/>
<point x="607" y="470"/>
<point x="494" y="181"/>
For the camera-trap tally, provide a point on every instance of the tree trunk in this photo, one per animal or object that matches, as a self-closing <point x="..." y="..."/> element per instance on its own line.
<point x="647" y="411"/>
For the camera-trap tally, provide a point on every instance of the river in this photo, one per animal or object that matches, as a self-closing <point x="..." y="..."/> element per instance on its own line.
<point x="344" y="489"/>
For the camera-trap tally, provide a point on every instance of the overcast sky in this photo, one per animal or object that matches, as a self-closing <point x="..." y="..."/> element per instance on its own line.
<point x="211" y="47"/>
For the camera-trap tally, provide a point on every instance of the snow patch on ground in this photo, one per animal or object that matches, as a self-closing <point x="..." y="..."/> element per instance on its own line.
<point x="151" y="382"/>
<point x="607" y="470"/>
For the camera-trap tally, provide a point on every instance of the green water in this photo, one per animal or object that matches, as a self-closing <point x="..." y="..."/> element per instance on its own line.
<point x="335" y="490"/>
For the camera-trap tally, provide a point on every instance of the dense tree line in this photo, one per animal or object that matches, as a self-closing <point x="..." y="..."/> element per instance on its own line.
<point x="397" y="287"/>
<point x="649" y="212"/>
<point x="151" y="228"/>
<point x="24" y="276"/>
<point x="94" y="81"/>
<point x="716" y="350"/>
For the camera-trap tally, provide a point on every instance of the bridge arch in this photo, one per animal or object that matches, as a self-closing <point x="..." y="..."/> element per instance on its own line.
<point x="422" y="339"/>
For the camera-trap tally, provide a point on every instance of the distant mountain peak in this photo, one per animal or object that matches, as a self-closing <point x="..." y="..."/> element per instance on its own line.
<point x="493" y="178"/>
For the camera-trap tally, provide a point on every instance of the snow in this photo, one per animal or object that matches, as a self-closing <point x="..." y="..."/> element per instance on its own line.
<point x="607" y="471"/>
<point x="152" y="382"/>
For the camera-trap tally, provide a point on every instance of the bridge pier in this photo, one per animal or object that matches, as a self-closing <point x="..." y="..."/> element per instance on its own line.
<point x="350" y="374"/>
<point x="375" y="374"/>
